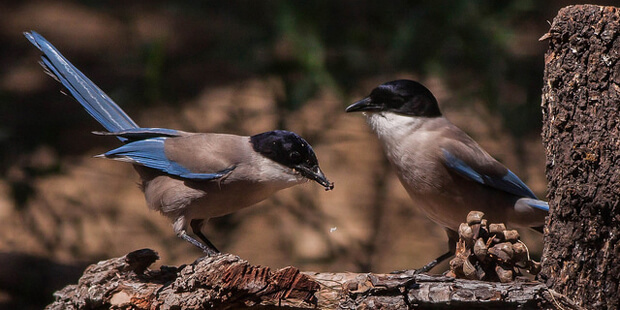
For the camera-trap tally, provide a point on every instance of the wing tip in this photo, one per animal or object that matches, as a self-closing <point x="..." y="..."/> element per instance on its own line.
<point x="538" y="204"/>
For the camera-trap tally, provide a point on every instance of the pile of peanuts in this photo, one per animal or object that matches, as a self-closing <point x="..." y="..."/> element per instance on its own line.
<point x="489" y="252"/>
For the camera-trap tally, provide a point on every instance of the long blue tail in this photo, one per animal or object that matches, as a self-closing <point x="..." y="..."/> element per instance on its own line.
<point x="92" y="98"/>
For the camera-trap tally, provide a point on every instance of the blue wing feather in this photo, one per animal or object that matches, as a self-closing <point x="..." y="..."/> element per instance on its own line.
<point x="509" y="182"/>
<point x="150" y="153"/>
<point x="538" y="204"/>
<point x="91" y="97"/>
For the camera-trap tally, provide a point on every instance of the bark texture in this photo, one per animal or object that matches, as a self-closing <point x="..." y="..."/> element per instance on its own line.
<point x="223" y="281"/>
<point x="581" y="104"/>
<point x="228" y="282"/>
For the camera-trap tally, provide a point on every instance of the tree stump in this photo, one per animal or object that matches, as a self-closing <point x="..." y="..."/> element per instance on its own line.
<point x="581" y="134"/>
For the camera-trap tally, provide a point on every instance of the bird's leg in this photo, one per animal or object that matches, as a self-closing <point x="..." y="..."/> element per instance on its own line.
<point x="435" y="262"/>
<point x="452" y="237"/>
<point x="179" y="228"/>
<point x="183" y="235"/>
<point x="196" y="225"/>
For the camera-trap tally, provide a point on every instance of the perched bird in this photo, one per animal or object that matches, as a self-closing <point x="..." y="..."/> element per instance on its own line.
<point x="446" y="173"/>
<point x="191" y="177"/>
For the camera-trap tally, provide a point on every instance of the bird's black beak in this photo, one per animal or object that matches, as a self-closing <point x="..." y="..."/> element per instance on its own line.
<point x="316" y="175"/>
<point x="365" y="104"/>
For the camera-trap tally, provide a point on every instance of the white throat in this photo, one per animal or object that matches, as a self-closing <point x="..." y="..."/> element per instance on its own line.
<point x="272" y="172"/>
<point x="392" y="127"/>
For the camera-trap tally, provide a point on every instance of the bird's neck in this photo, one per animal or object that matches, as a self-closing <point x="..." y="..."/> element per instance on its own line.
<point x="275" y="175"/>
<point x="392" y="127"/>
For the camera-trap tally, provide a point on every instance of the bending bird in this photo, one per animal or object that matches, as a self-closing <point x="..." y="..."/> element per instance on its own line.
<point x="191" y="177"/>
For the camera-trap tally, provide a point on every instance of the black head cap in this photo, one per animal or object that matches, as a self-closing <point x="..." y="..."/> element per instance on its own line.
<point x="290" y="150"/>
<point x="404" y="97"/>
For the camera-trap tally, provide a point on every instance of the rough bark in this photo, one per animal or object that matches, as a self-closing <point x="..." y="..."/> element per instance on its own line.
<point x="223" y="281"/>
<point x="581" y="103"/>
<point x="228" y="282"/>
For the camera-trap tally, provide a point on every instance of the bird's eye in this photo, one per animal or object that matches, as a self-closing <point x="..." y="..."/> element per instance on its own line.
<point x="295" y="156"/>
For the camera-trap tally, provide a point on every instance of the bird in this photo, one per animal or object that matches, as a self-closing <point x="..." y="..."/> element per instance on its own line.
<point x="191" y="177"/>
<point x="444" y="171"/>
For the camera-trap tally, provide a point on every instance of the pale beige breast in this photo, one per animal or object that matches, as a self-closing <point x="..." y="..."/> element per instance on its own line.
<point x="414" y="147"/>
<point x="252" y="179"/>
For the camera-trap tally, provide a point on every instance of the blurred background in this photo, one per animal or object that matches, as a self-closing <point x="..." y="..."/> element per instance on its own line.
<point x="245" y="67"/>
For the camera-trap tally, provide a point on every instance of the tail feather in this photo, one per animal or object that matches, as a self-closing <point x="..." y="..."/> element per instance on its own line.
<point x="91" y="97"/>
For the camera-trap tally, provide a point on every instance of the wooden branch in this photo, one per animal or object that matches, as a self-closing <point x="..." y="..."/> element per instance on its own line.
<point x="226" y="281"/>
<point x="221" y="281"/>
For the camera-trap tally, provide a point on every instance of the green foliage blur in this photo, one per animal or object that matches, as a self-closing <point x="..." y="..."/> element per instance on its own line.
<point x="314" y="44"/>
